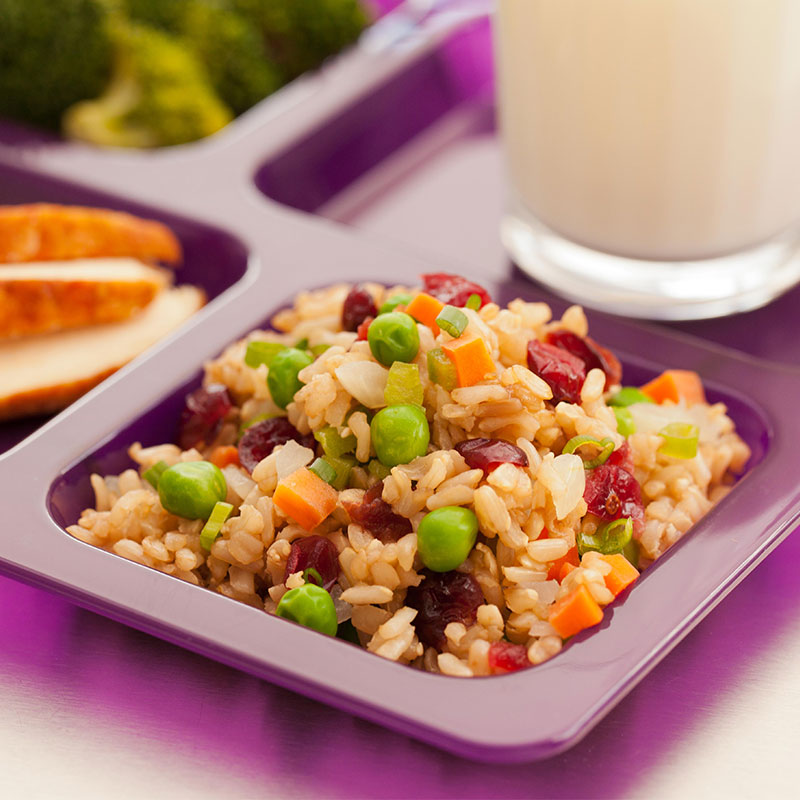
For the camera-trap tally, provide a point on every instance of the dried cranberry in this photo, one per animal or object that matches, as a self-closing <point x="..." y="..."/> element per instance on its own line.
<point x="593" y="355"/>
<point x="363" y="329"/>
<point x="453" y="289"/>
<point x="358" y="305"/>
<point x="261" y="439"/>
<point x="612" y="492"/>
<point x="489" y="454"/>
<point x="442" y="598"/>
<point x="507" y="657"/>
<point x="375" y="515"/>
<point x="202" y="415"/>
<point x="315" y="552"/>
<point x="622" y="457"/>
<point x="563" y="372"/>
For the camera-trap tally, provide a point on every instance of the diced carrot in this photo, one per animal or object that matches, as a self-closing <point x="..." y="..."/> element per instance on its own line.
<point x="565" y="570"/>
<point x="622" y="574"/>
<point x="574" y="612"/>
<point x="48" y="232"/>
<point x="571" y="557"/>
<point x="224" y="456"/>
<point x="305" y="497"/>
<point x="471" y="358"/>
<point x="425" y="309"/>
<point x="676" y="385"/>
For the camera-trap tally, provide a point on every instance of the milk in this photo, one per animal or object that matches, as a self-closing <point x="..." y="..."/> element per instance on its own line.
<point x="653" y="129"/>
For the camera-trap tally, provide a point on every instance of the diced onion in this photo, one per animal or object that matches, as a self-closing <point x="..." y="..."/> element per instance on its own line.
<point x="364" y="380"/>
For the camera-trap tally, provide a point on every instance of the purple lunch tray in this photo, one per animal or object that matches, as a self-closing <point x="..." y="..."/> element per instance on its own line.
<point x="209" y="192"/>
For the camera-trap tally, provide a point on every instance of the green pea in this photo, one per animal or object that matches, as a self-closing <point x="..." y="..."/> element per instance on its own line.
<point x="397" y="300"/>
<point x="282" y="377"/>
<point x="309" y="605"/>
<point x="446" y="536"/>
<point x="393" y="337"/>
<point x="191" y="489"/>
<point x="400" y="434"/>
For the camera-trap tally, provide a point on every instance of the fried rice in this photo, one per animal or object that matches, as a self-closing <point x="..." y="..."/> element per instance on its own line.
<point x="529" y="516"/>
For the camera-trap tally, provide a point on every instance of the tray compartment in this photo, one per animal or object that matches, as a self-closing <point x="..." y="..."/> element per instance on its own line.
<point x="213" y="259"/>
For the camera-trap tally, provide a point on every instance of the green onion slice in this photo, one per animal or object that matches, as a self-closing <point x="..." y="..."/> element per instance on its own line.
<point x="259" y="353"/>
<point x="322" y="469"/>
<point x="627" y="396"/>
<point x="153" y="475"/>
<point x="213" y="526"/>
<point x="631" y="552"/>
<point x="403" y="385"/>
<point x="453" y="320"/>
<point x="625" y="424"/>
<point x="610" y="539"/>
<point x="392" y="303"/>
<point x="310" y="575"/>
<point x="441" y="369"/>
<point x="680" y="440"/>
<point x="606" y="447"/>
<point x="473" y="302"/>
<point x="333" y="443"/>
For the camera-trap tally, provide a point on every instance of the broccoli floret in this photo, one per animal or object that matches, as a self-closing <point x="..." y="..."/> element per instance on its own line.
<point x="301" y="34"/>
<point x="228" y="44"/>
<point x="159" y="95"/>
<point x="53" y="53"/>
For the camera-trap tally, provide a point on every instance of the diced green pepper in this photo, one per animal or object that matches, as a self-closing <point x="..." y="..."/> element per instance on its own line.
<point x="333" y="443"/>
<point x="441" y="369"/>
<point x="403" y="385"/>
<point x="259" y="353"/>
<point x="378" y="470"/>
<point x="625" y="424"/>
<point x="627" y="396"/>
<point x="343" y="465"/>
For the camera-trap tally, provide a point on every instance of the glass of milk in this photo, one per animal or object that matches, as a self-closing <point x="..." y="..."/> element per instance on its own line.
<point x="653" y="150"/>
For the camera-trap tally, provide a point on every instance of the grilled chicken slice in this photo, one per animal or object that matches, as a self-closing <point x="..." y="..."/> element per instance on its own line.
<point x="45" y="373"/>
<point x="46" y="296"/>
<point x="47" y="232"/>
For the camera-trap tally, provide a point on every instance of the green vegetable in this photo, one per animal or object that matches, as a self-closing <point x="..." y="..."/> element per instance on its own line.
<point x="400" y="434"/>
<point x="393" y="337"/>
<point x="333" y="443"/>
<point x="53" y="53"/>
<point x="311" y="606"/>
<point x="625" y="424"/>
<point x="473" y="302"/>
<point x="301" y="35"/>
<point x="227" y="43"/>
<point x="610" y="539"/>
<point x="213" y="527"/>
<point x="302" y="344"/>
<point x="631" y="551"/>
<point x="628" y="396"/>
<point x="441" y="369"/>
<point x="310" y="575"/>
<point x="680" y="440"/>
<point x="191" y="489"/>
<point x="605" y="446"/>
<point x="153" y="474"/>
<point x="319" y="349"/>
<point x="323" y="469"/>
<point x="343" y="466"/>
<point x="453" y="320"/>
<point x="378" y="470"/>
<point x="159" y="95"/>
<point x="446" y="536"/>
<point x="259" y="353"/>
<point x="397" y="300"/>
<point x="348" y="632"/>
<point x="403" y="385"/>
<point x="282" y="378"/>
